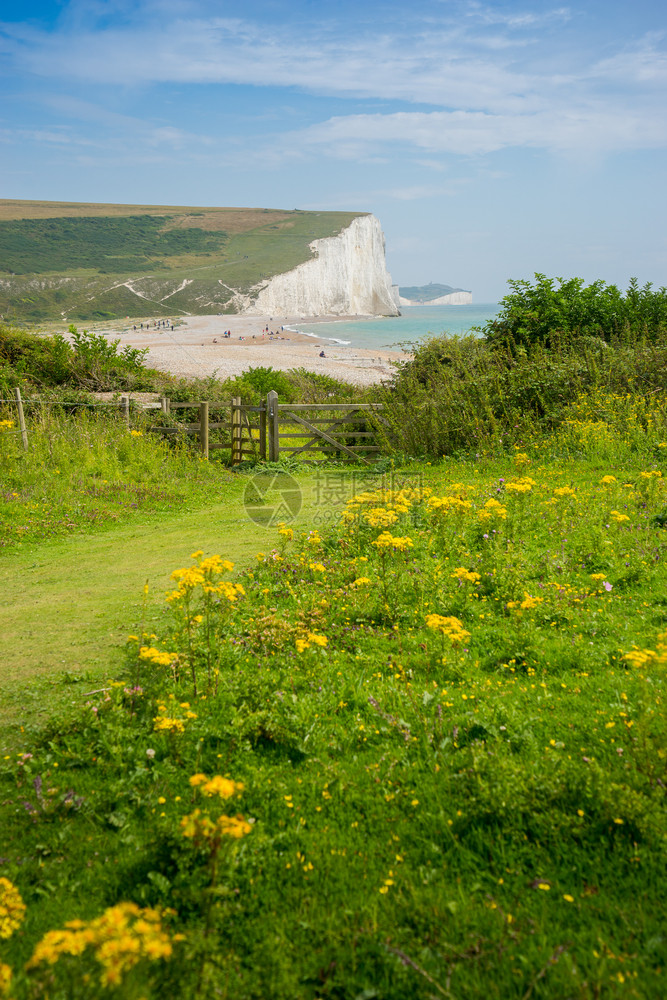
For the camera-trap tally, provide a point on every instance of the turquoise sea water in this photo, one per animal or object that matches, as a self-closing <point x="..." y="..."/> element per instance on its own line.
<point x="414" y="323"/>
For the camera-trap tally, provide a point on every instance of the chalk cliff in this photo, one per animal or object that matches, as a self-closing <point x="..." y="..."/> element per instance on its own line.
<point x="347" y="276"/>
<point x="453" y="299"/>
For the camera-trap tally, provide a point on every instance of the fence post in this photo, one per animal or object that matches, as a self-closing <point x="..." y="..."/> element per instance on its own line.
<point x="203" y="429"/>
<point x="164" y="404"/>
<point x="236" y="430"/>
<point x="272" y="416"/>
<point x="125" y="403"/>
<point x="19" y="406"/>
<point x="262" y="431"/>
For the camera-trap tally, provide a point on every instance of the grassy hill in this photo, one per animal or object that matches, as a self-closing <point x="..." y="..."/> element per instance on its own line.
<point x="426" y="293"/>
<point x="63" y="260"/>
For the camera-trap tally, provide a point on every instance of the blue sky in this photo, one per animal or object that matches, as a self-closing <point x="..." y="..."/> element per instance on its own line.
<point x="492" y="140"/>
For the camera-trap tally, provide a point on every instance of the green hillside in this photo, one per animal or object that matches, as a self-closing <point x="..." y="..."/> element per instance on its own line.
<point x="94" y="262"/>
<point x="426" y="293"/>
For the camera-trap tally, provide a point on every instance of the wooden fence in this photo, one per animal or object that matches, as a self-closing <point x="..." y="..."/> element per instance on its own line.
<point x="269" y="430"/>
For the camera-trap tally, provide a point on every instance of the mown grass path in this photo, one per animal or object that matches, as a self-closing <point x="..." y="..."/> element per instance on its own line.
<point x="67" y="605"/>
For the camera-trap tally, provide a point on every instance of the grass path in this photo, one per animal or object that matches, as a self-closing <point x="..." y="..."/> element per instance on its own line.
<point x="67" y="605"/>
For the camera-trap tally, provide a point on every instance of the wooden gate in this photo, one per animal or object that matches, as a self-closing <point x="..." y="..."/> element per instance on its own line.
<point x="248" y="436"/>
<point x="345" y="429"/>
<point x="313" y="430"/>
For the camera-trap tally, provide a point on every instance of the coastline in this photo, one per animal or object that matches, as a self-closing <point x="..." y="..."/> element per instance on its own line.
<point x="197" y="348"/>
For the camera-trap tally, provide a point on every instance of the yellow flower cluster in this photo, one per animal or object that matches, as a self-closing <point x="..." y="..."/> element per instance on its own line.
<point x="217" y="785"/>
<point x="123" y="936"/>
<point x="389" y="541"/>
<point x="203" y="575"/>
<point x="361" y="581"/>
<point x="167" y="724"/>
<point x="311" y="639"/>
<point x="649" y="657"/>
<point x="449" y="505"/>
<point x="617" y="517"/>
<point x="461" y="573"/>
<point x="229" y="590"/>
<point x="492" y="508"/>
<point x="564" y="491"/>
<point x="136" y="434"/>
<point x="6" y="425"/>
<point x="524" y="485"/>
<point x="12" y="908"/>
<point x="526" y="604"/>
<point x="5" y="971"/>
<point x="164" y="724"/>
<point x="286" y="533"/>
<point x="157" y="656"/>
<point x="379" y="517"/>
<point x="385" y="504"/>
<point x="449" y="626"/>
<point x="200" y="826"/>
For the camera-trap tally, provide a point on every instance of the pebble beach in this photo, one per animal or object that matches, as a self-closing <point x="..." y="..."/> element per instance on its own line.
<point x="197" y="348"/>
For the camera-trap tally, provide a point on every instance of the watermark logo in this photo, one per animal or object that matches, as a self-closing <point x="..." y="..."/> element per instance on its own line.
<point x="272" y="498"/>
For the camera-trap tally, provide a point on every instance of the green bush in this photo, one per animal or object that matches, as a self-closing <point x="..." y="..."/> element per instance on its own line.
<point x="464" y="393"/>
<point x="90" y="362"/>
<point x="546" y="312"/>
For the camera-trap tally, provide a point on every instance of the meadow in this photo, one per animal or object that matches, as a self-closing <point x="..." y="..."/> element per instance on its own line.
<point x="412" y="744"/>
<point x="419" y="753"/>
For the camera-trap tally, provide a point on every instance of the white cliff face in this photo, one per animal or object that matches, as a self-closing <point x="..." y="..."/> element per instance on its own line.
<point x="453" y="299"/>
<point x="347" y="277"/>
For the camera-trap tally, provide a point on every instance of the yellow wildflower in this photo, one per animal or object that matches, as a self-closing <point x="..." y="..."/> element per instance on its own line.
<point x="5" y="971"/>
<point x="388" y="541"/>
<point x="123" y="936"/>
<point x="461" y="573"/>
<point x="12" y="908"/>
<point x="224" y="787"/>
<point x="449" y="626"/>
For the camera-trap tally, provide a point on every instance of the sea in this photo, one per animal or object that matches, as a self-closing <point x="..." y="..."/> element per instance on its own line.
<point x="414" y="323"/>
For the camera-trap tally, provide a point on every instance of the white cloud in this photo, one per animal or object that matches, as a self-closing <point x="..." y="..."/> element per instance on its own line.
<point x="488" y="94"/>
<point x="442" y="65"/>
<point x="594" y="129"/>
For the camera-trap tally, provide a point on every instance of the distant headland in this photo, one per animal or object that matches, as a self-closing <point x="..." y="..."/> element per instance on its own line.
<point x="433" y="295"/>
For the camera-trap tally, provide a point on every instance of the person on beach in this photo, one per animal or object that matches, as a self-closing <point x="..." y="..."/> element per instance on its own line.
<point x="322" y="354"/>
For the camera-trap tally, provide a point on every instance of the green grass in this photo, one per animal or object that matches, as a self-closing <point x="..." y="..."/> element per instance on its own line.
<point x="437" y="809"/>
<point x="74" y="511"/>
<point x="451" y="740"/>
<point x="115" y="245"/>
<point x="84" y="592"/>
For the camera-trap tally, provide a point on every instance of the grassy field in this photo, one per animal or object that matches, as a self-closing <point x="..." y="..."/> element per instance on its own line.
<point x="77" y="260"/>
<point x="410" y="745"/>
<point x="73" y="512"/>
<point x="420" y="752"/>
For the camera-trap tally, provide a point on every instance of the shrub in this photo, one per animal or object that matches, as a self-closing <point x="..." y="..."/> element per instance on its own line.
<point x="545" y="313"/>
<point x="89" y="362"/>
<point x="465" y="393"/>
